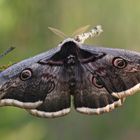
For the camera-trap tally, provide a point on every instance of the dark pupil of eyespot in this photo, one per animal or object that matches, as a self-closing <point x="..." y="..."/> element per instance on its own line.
<point x="120" y="63"/>
<point x="98" y="82"/>
<point x="25" y="75"/>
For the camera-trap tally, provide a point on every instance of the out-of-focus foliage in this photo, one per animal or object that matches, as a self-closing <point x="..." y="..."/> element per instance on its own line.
<point x="24" y="24"/>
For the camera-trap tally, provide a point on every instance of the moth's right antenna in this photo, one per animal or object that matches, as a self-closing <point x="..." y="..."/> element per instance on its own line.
<point x="91" y="34"/>
<point x="6" y="52"/>
<point x="81" y="30"/>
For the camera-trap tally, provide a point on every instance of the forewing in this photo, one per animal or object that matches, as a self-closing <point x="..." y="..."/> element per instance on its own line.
<point x="29" y="93"/>
<point x="118" y="81"/>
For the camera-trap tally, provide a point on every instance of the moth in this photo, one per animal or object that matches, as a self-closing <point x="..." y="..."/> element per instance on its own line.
<point x="99" y="79"/>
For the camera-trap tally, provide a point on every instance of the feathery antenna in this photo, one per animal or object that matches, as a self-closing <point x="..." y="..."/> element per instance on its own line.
<point x="58" y="32"/>
<point x="96" y="31"/>
<point x="81" y="30"/>
<point x="80" y="35"/>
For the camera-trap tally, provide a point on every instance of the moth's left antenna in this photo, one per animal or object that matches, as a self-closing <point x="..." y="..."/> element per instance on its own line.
<point x="58" y="32"/>
<point x="6" y="52"/>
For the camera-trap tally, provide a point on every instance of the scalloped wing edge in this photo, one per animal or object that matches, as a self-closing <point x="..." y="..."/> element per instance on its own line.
<point x="16" y="103"/>
<point x="128" y="92"/>
<point x="98" y="111"/>
<point x="44" y="114"/>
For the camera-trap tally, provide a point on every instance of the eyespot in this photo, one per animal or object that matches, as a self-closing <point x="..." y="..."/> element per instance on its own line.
<point x="96" y="82"/>
<point x="26" y="74"/>
<point x="119" y="62"/>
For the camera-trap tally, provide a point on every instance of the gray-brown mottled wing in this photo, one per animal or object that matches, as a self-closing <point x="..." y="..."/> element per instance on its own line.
<point x="57" y="102"/>
<point x="28" y="83"/>
<point x="118" y="70"/>
<point x="107" y="81"/>
<point x="91" y="97"/>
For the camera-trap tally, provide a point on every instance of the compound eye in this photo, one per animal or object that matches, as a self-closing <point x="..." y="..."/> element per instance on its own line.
<point x="96" y="82"/>
<point x="119" y="62"/>
<point x="26" y="74"/>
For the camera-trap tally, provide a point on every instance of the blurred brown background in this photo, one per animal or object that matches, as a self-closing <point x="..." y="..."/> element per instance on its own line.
<point x="24" y="24"/>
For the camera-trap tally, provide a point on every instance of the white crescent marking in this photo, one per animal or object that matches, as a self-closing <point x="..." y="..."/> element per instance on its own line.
<point x="44" y="114"/>
<point x="128" y="92"/>
<point x="26" y="105"/>
<point x="101" y="110"/>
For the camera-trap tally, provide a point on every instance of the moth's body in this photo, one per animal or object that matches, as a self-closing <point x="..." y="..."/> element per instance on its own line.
<point x="99" y="79"/>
